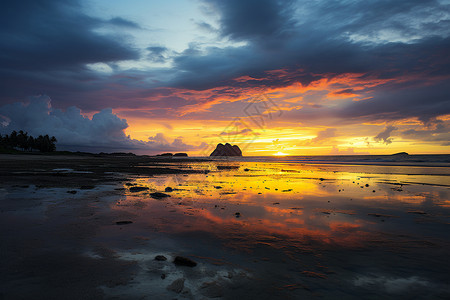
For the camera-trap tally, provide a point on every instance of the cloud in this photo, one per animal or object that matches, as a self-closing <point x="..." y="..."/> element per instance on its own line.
<point x="103" y="132"/>
<point x="118" y="21"/>
<point x="384" y="136"/>
<point x="321" y="137"/>
<point x="434" y="130"/>
<point x="250" y="19"/>
<point x="47" y="45"/>
<point x="349" y="151"/>
<point x="158" y="53"/>
<point x="258" y="46"/>
<point x="55" y="35"/>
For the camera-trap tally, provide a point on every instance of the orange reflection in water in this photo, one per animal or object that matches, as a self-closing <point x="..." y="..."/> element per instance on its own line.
<point x="249" y="205"/>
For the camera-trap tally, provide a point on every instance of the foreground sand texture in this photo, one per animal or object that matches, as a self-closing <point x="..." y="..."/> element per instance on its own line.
<point x="90" y="228"/>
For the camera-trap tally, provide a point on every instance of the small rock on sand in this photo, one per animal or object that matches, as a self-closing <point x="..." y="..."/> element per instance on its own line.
<point x="158" y="195"/>
<point x="123" y="222"/>
<point x="168" y="189"/>
<point x="184" y="261"/>
<point x="176" y="286"/>
<point x="135" y="189"/>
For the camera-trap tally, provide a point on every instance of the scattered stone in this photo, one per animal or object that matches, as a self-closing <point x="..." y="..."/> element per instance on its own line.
<point x="160" y="258"/>
<point x="217" y="187"/>
<point x="276" y="203"/>
<point x="168" y="189"/>
<point x="367" y="185"/>
<point x="373" y="191"/>
<point x="288" y="190"/>
<point x="135" y="189"/>
<point x="184" y="261"/>
<point x="237" y="215"/>
<point x="246" y="170"/>
<point x="177" y="286"/>
<point x="163" y="276"/>
<point x="72" y="192"/>
<point x="321" y="179"/>
<point x="158" y="195"/>
<point x="123" y="222"/>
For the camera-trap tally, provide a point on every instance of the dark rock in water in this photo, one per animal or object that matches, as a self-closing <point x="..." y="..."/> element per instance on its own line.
<point x="163" y="276"/>
<point x="135" y="189"/>
<point x="226" y="150"/>
<point x="400" y="154"/>
<point x="168" y="189"/>
<point x="72" y="192"/>
<point x="165" y="154"/>
<point x="177" y="286"/>
<point x="180" y="154"/>
<point x="160" y="258"/>
<point x="184" y="261"/>
<point x="158" y="195"/>
<point x="123" y="222"/>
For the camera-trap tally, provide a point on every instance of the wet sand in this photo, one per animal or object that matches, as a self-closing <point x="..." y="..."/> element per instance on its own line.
<point x="90" y="228"/>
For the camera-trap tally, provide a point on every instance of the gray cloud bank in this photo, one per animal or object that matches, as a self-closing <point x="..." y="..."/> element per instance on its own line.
<point x="75" y="132"/>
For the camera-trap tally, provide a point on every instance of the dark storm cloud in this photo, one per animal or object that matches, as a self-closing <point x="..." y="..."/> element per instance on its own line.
<point x="53" y="35"/>
<point x="250" y="19"/>
<point x="319" y="41"/>
<point x="46" y="44"/>
<point x="425" y="102"/>
<point x="310" y="40"/>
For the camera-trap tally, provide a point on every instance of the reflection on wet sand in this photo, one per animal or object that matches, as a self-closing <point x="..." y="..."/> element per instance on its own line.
<point x="255" y="230"/>
<point x="305" y="230"/>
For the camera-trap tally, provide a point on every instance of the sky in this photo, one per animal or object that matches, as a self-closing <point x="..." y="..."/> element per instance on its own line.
<point x="276" y="77"/>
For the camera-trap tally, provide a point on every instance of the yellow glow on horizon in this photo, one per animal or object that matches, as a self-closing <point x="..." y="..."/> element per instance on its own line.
<point x="279" y="153"/>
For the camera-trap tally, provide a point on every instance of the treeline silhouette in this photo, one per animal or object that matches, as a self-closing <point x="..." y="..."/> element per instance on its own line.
<point x="21" y="140"/>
